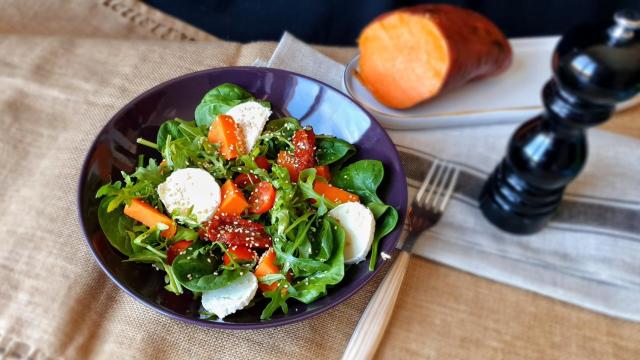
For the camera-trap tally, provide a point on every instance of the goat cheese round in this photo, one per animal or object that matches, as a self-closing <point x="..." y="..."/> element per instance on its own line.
<point x="192" y="190"/>
<point x="231" y="298"/>
<point x="251" y="117"/>
<point x="359" y="225"/>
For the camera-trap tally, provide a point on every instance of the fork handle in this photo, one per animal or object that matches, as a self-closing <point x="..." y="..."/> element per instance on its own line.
<point x="370" y="329"/>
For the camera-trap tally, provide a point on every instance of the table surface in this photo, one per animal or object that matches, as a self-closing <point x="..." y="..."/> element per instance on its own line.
<point x="460" y="315"/>
<point x="457" y="315"/>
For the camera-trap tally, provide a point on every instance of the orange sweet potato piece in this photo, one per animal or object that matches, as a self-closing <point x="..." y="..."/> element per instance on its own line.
<point x="334" y="194"/>
<point x="233" y="201"/>
<point x="267" y="266"/>
<point x="228" y="134"/>
<point x="413" y="54"/>
<point x="150" y="216"/>
<point x="323" y="171"/>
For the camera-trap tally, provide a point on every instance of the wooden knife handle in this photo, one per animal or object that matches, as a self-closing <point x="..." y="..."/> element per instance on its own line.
<point x="367" y="335"/>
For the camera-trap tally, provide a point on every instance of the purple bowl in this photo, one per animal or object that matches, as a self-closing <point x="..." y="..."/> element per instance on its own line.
<point x="314" y="103"/>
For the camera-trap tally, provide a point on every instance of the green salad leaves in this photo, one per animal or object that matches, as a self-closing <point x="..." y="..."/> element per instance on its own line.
<point x="363" y="179"/>
<point x="219" y="100"/>
<point x="308" y="244"/>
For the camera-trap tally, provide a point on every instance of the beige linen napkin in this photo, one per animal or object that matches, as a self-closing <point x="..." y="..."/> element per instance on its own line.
<point x="56" y="93"/>
<point x="589" y="254"/>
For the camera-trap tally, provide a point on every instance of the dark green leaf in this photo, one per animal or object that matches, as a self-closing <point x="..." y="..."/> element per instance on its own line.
<point x="169" y="129"/>
<point x="331" y="150"/>
<point x="184" y="233"/>
<point x="278" y="300"/>
<point x="285" y="125"/>
<point x="196" y="270"/>
<point x="109" y="189"/>
<point x="361" y="178"/>
<point x="315" y="285"/>
<point x="114" y="225"/>
<point x="325" y="241"/>
<point x="151" y="173"/>
<point x="386" y="220"/>
<point x="219" y="100"/>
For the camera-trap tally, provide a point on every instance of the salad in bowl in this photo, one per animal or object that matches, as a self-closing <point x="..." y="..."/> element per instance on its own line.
<point x="240" y="206"/>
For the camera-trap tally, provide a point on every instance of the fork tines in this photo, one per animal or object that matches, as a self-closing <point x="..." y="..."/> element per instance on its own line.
<point x="437" y="187"/>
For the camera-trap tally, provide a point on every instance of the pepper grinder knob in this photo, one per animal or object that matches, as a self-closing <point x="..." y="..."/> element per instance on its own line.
<point x="595" y="66"/>
<point x="627" y="21"/>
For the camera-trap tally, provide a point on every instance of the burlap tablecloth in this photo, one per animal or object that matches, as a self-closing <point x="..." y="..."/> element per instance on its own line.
<point x="65" y="68"/>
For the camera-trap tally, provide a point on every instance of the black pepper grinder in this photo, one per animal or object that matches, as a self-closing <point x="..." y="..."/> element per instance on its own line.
<point x="594" y="67"/>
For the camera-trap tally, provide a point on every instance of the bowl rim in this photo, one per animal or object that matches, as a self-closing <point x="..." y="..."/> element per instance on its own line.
<point x="358" y="283"/>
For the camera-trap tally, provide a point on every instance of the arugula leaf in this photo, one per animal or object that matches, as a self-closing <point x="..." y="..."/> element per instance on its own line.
<point x="325" y="241"/>
<point x="300" y="266"/>
<point x="147" y="179"/>
<point x="185" y="233"/>
<point x="330" y="150"/>
<point x="286" y="126"/>
<point x="280" y="212"/>
<point x="305" y="184"/>
<point x="277" y="135"/>
<point x="363" y="179"/>
<point x="219" y="100"/>
<point x="278" y="298"/>
<point x="315" y="285"/>
<point x="152" y="174"/>
<point x="192" y="149"/>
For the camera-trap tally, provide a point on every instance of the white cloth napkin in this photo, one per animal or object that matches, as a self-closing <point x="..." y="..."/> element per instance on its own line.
<point x="589" y="255"/>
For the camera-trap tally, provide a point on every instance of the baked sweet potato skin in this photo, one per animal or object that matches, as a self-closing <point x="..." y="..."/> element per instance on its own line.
<point x="477" y="48"/>
<point x="473" y="48"/>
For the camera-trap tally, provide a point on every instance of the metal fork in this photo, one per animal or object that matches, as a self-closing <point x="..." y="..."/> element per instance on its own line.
<point x="426" y="210"/>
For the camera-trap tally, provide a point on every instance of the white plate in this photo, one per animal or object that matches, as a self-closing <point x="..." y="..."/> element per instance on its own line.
<point x="512" y="96"/>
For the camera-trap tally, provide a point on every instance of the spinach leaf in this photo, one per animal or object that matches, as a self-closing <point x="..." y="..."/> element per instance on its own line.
<point x="195" y="270"/>
<point x="363" y="178"/>
<point x="315" y="285"/>
<point x="386" y="220"/>
<point x="115" y="225"/>
<point x="219" y="100"/>
<point x="170" y="129"/>
<point x="331" y="150"/>
<point x="147" y="257"/>
<point x="176" y="129"/>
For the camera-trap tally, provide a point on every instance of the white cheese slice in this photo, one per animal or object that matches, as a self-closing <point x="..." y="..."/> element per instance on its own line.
<point x="190" y="188"/>
<point x="251" y="118"/>
<point x="359" y="226"/>
<point x="231" y="298"/>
